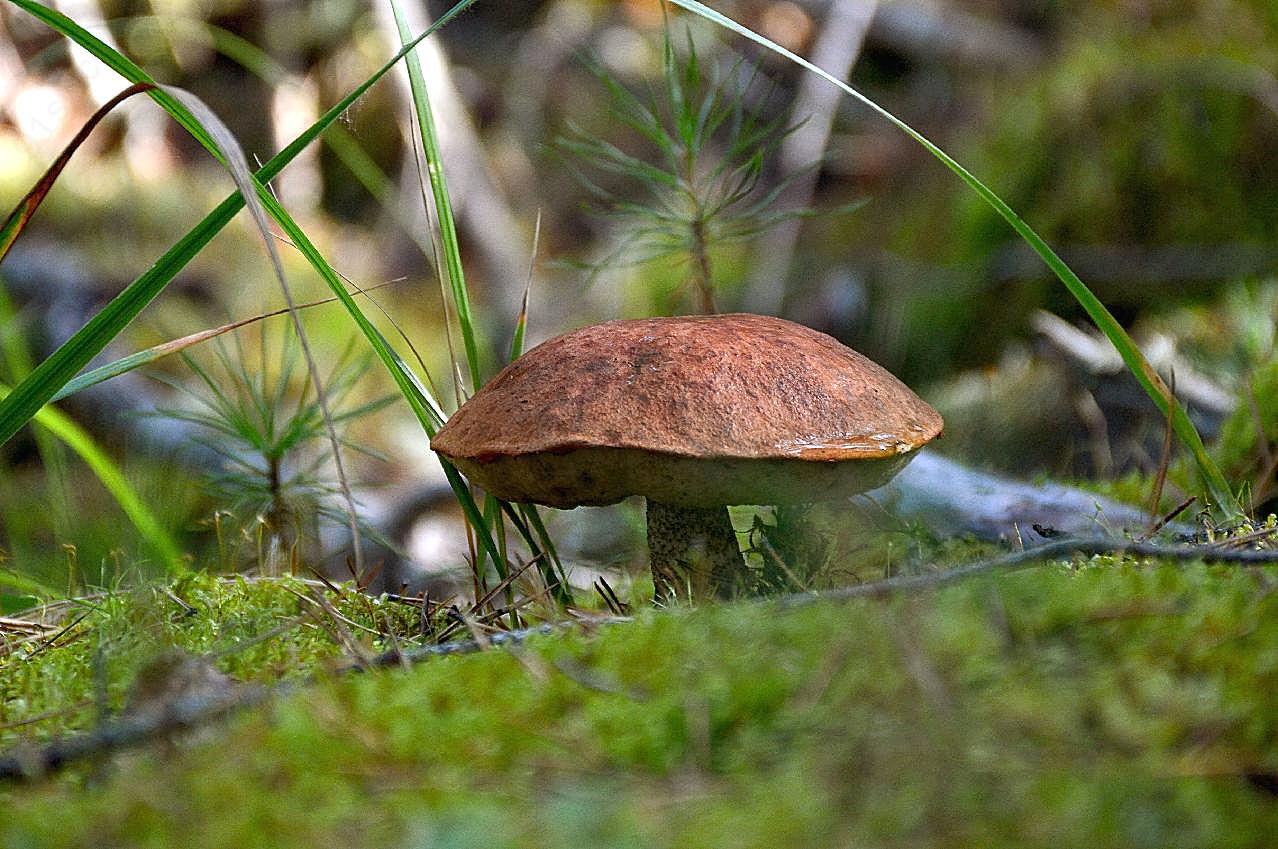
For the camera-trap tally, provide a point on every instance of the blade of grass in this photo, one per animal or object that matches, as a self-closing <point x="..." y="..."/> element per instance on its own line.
<point x="454" y="272"/>
<point x="20" y="405"/>
<point x="174" y="346"/>
<point x="492" y="521"/>
<point x="443" y="205"/>
<point x="79" y="441"/>
<point x="1226" y="504"/>
<point x="521" y="323"/>
<point x="17" y="220"/>
<point x="61" y="366"/>
<point x="461" y="302"/>
<point x="410" y="386"/>
<point x="27" y="586"/>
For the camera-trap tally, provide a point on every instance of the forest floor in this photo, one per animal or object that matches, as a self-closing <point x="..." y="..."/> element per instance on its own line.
<point x="1100" y="701"/>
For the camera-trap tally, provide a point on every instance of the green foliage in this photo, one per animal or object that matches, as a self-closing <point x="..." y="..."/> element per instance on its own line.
<point x="452" y="276"/>
<point x="59" y="368"/>
<point x="55" y="372"/>
<point x="1103" y="702"/>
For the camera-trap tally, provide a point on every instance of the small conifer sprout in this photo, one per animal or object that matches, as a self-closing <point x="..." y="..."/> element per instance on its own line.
<point x="694" y="413"/>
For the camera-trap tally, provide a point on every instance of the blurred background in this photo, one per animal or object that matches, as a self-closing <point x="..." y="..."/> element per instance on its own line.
<point x="1139" y="137"/>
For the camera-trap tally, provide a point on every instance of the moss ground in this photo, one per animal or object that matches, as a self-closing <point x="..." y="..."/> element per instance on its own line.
<point x="1101" y="703"/>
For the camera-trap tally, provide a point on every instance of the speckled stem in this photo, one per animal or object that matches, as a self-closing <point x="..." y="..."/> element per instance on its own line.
<point x="693" y="552"/>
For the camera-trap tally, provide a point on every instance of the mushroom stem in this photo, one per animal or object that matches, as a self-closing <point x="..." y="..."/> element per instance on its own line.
<point x="693" y="552"/>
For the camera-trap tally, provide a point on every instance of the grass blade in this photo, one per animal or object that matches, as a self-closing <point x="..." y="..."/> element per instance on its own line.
<point x="1226" y="504"/>
<point x="26" y="586"/>
<point x="521" y="323"/>
<point x="173" y="346"/>
<point x="491" y="516"/>
<point x="552" y="568"/>
<point x="489" y="527"/>
<point x="79" y="441"/>
<point x="17" y="220"/>
<point x="60" y="367"/>
<point x="443" y="205"/>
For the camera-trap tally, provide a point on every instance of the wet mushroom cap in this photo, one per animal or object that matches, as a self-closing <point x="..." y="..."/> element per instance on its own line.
<point x="693" y="411"/>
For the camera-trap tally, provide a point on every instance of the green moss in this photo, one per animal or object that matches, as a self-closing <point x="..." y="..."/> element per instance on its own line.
<point x="257" y="631"/>
<point x="1097" y="703"/>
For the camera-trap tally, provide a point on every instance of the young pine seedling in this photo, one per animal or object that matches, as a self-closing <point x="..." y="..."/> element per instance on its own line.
<point x="275" y="478"/>
<point x="701" y="181"/>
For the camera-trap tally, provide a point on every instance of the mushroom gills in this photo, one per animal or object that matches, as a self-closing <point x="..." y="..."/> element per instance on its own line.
<point x="693" y="552"/>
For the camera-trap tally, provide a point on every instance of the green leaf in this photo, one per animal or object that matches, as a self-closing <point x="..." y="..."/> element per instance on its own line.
<point x="443" y="204"/>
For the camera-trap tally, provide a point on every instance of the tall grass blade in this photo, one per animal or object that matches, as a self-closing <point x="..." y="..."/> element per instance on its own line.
<point x="1226" y="504"/>
<point x="493" y="523"/>
<point x="521" y="323"/>
<point x="150" y="355"/>
<point x="461" y="302"/>
<point x="79" y="441"/>
<point x="453" y="272"/>
<point x="552" y="568"/>
<point x="26" y="586"/>
<point x="443" y="205"/>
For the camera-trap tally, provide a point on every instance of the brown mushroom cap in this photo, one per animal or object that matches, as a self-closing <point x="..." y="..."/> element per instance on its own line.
<point x="692" y="411"/>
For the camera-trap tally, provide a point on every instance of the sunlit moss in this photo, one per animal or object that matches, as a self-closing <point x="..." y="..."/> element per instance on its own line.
<point x="1101" y="702"/>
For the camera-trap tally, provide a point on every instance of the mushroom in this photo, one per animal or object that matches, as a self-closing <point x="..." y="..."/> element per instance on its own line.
<point x="694" y="413"/>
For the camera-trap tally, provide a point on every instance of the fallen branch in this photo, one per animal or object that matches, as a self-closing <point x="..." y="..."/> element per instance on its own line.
<point x="1211" y="553"/>
<point x="954" y="499"/>
<point x="25" y="763"/>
